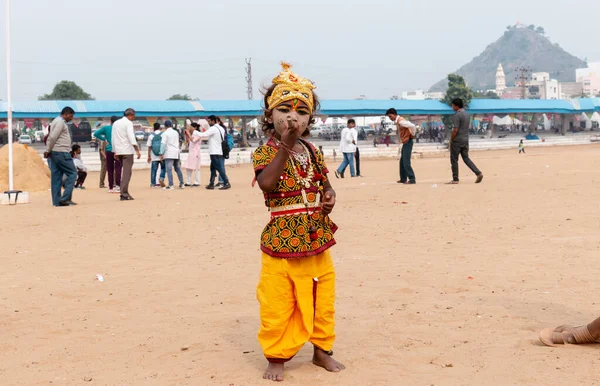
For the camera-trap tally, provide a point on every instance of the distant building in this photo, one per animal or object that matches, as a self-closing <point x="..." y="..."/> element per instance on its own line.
<point x="417" y="95"/>
<point x="435" y="95"/>
<point x="590" y="78"/>
<point x="542" y="87"/>
<point x="500" y="80"/>
<point x="512" y="93"/>
<point x="551" y="89"/>
<point x="570" y="90"/>
<point x="540" y="76"/>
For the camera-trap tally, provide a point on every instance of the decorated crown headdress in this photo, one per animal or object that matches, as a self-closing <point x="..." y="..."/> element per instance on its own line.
<point x="290" y="86"/>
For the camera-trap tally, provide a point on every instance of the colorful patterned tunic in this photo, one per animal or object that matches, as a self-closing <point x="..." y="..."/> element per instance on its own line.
<point x="288" y="234"/>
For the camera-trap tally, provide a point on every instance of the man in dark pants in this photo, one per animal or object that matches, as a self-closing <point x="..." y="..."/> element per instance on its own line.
<point x="406" y="133"/>
<point x="124" y="145"/>
<point x="357" y="161"/>
<point x="58" y="151"/>
<point x="216" y="135"/>
<point x="459" y="142"/>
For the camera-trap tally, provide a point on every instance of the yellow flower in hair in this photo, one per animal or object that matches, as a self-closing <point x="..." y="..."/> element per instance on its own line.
<point x="290" y="86"/>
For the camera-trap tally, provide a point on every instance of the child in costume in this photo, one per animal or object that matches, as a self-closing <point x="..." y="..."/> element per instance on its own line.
<point x="296" y="290"/>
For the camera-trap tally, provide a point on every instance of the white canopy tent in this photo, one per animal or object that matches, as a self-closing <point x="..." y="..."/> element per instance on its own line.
<point x="506" y="121"/>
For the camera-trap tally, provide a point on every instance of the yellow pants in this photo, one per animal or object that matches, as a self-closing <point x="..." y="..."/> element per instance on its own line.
<point x="296" y="305"/>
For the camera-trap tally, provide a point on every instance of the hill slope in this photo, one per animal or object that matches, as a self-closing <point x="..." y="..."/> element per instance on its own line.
<point x="517" y="47"/>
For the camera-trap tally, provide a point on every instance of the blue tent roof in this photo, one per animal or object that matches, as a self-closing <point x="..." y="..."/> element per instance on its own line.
<point x="50" y="109"/>
<point x="482" y="106"/>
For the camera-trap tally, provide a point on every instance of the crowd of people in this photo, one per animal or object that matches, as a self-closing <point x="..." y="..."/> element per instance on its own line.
<point x="119" y="148"/>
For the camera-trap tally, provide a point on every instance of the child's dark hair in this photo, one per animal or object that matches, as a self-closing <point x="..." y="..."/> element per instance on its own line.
<point x="195" y="126"/>
<point x="268" y="128"/>
<point x="74" y="148"/>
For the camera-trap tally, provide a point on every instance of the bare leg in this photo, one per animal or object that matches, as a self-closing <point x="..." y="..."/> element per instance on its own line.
<point x="593" y="328"/>
<point x="274" y="372"/>
<point x="326" y="361"/>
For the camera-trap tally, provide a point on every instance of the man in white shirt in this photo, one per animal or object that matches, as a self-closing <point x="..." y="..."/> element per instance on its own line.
<point x="216" y="135"/>
<point x="348" y="148"/>
<point x="170" y="141"/>
<point x="124" y="145"/>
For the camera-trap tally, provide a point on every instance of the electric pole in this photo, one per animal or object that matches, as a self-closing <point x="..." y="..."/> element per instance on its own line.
<point x="249" y="78"/>
<point x="523" y="76"/>
<point x="249" y="92"/>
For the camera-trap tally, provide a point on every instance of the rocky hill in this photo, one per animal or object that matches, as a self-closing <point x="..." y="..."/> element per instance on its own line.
<point x="519" y="46"/>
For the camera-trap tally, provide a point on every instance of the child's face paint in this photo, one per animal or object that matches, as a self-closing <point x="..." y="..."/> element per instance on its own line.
<point x="295" y="109"/>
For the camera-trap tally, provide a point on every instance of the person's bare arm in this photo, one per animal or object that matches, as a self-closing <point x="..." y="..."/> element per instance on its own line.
<point x="455" y="123"/>
<point x="268" y="177"/>
<point x="328" y="199"/>
<point x="454" y="134"/>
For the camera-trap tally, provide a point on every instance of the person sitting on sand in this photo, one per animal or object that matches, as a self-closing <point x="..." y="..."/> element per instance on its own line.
<point x="571" y="335"/>
<point x="296" y="290"/>
<point x="81" y="169"/>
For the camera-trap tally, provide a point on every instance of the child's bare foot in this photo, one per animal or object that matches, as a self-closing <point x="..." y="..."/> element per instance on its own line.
<point x="274" y="372"/>
<point x="324" y="360"/>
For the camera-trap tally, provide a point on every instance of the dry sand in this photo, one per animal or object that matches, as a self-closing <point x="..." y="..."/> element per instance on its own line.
<point x="30" y="173"/>
<point x="450" y="288"/>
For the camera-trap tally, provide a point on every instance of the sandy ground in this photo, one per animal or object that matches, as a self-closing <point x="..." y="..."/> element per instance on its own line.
<point x="436" y="286"/>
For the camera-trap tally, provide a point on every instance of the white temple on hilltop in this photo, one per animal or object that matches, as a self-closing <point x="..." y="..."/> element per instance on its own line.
<point x="500" y="80"/>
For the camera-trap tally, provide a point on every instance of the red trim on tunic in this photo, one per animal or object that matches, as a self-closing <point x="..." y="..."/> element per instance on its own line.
<point x="295" y="193"/>
<point x="298" y="255"/>
<point x="294" y="211"/>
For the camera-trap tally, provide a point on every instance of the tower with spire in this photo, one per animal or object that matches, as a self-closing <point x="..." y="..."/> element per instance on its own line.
<point x="500" y="80"/>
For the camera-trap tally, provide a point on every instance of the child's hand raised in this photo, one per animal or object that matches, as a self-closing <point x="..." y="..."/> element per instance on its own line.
<point x="328" y="202"/>
<point x="291" y="133"/>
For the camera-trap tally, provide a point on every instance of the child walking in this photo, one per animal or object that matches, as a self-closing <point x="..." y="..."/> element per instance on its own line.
<point x="521" y="147"/>
<point x="296" y="290"/>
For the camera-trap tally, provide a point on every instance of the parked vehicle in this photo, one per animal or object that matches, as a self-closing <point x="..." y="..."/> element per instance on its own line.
<point x="25" y="140"/>
<point x="140" y="135"/>
<point x="368" y="131"/>
<point x="81" y="133"/>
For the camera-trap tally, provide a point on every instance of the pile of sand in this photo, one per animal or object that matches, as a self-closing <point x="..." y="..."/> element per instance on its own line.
<point x="31" y="174"/>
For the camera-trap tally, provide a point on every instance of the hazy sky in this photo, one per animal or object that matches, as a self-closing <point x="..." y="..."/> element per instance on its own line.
<point x="150" y="49"/>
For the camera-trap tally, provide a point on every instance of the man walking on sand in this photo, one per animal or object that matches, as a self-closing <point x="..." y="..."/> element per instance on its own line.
<point x="58" y="151"/>
<point x="459" y="142"/>
<point x="406" y="133"/>
<point x="348" y="148"/>
<point x="216" y="136"/>
<point x="124" y="145"/>
<point x="113" y="165"/>
<point x="171" y="156"/>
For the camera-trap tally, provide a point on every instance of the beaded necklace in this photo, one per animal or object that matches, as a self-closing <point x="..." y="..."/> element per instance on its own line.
<point x="304" y="173"/>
